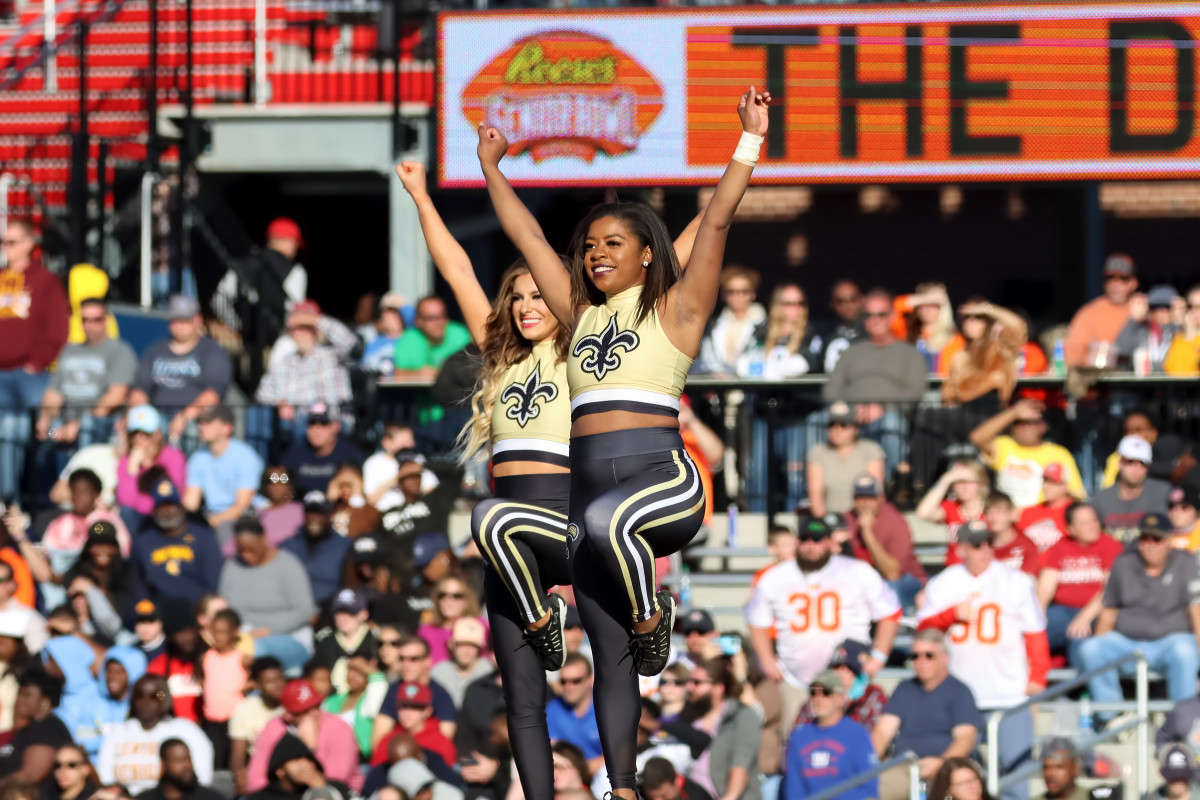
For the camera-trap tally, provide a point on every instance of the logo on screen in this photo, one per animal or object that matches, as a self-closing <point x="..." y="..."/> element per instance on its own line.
<point x="565" y="94"/>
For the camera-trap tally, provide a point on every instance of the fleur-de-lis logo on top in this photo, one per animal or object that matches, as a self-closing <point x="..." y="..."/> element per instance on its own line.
<point x="604" y="355"/>
<point x="527" y="396"/>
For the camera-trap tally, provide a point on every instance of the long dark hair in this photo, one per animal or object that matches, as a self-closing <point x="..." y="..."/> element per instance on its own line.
<point x="940" y="790"/>
<point x="645" y="226"/>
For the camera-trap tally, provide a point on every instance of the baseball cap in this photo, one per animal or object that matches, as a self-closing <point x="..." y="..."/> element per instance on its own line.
<point x="321" y="413"/>
<point x="1155" y="524"/>
<point x="975" y="533"/>
<point x="865" y="485"/>
<point x="813" y="528"/>
<point x="392" y="300"/>
<point x="1054" y="473"/>
<point x="177" y="615"/>
<point x="181" y="307"/>
<point x="834" y="520"/>
<point x="146" y="611"/>
<point x="300" y="696"/>
<point x="696" y="621"/>
<point x="850" y="654"/>
<point x="411" y="463"/>
<point x="349" y="601"/>
<point x="1119" y="264"/>
<point x="842" y="414"/>
<point x="303" y="317"/>
<point x="317" y="503"/>
<point x="284" y="228"/>
<point x="1059" y="746"/>
<point x="829" y="680"/>
<point x="102" y="532"/>
<point x="1161" y="295"/>
<point x="14" y="623"/>
<point x="164" y="493"/>
<point x="428" y="545"/>
<point x="1184" y="495"/>
<point x="219" y="411"/>
<point x="143" y="418"/>
<point x="1177" y="763"/>
<point x="413" y="694"/>
<point x="365" y="548"/>
<point x="1135" y="448"/>
<point x="468" y="630"/>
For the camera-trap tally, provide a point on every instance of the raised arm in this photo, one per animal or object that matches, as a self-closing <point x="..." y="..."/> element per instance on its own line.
<point x="448" y="255"/>
<point x="692" y="300"/>
<point x="523" y="229"/>
<point x="686" y="240"/>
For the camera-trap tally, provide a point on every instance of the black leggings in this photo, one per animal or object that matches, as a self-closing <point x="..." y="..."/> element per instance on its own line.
<point x="635" y="496"/>
<point x="526" y="532"/>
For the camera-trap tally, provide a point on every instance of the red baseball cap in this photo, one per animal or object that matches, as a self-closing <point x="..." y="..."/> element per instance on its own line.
<point x="284" y="228"/>
<point x="300" y="696"/>
<point x="1054" y="473"/>
<point x="413" y="694"/>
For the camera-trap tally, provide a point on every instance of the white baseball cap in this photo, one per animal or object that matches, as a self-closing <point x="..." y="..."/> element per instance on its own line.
<point x="1135" y="448"/>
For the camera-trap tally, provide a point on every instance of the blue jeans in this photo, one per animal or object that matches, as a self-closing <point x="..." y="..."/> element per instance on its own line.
<point x="20" y="396"/>
<point x="1174" y="655"/>
<point x="1015" y="745"/>
<point x="791" y="448"/>
<point x="906" y="587"/>
<point x="290" y="652"/>
<point x="1057" y="619"/>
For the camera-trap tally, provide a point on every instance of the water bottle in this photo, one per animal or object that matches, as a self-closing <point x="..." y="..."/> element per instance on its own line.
<point x="922" y="791"/>
<point x="1060" y="358"/>
<point x="757" y="363"/>
<point x="731" y="539"/>
<point x="1085" y="713"/>
<point x="685" y="588"/>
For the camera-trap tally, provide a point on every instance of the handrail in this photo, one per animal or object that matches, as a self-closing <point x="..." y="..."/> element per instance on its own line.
<point x="51" y="48"/>
<point x="914" y="778"/>
<point x="996" y="785"/>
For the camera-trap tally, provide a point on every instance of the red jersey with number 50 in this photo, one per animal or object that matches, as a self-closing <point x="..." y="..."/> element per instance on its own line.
<point x="988" y="655"/>
<point x="814" y="612"/>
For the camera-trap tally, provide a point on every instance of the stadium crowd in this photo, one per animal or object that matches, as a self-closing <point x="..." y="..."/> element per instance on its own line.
<point x="289" y="613"/>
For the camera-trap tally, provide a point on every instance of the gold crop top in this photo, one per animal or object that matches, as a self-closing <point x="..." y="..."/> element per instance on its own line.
<point x="617" y="365"/>
<point x="531" y="418"/>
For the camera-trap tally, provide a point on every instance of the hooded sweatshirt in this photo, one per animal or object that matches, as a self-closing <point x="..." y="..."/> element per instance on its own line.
<point x="33" y="318"/>
<point x="81" y="706"/>
<point x="115" y="710"/>
<point x="84" y="282"/>
<point x="290" y="748"/>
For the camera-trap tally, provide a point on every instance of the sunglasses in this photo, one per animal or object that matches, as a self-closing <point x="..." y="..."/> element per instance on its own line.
<point x="1118" y="277"/>
<point x="811" y="537"/>
<point x="698" y="681"/>
<point x="573" y="681"/>
<point x="95" y="320"/>
<point x="923" y="655"/>
<point x="68" y="764"/>
<point x="1149" y="538"/>
<point x="412" y="659"/>
<point x="672" y="682"/>
<point x="819" y="691"/>
<point x="452" y="596"/>
<point x="317" y="423"/>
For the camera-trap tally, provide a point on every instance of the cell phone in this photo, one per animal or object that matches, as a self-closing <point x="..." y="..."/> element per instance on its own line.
<point x="730" y="645"/>
<point x="467" y="761"/>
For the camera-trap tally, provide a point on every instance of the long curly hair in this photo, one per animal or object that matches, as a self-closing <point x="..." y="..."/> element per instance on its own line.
<point x="503" y="346"/>
<point x="649" y="230"/>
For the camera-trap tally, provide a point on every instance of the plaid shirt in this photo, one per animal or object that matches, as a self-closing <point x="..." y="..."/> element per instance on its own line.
<point x="866" y="710"/>
<point x="299" y="380"/>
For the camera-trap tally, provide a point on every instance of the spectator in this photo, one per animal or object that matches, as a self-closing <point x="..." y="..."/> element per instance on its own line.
<point x="1046" y="523"/>
<point x="1122" y="505"/>
<point x="660" y="781"/>
<point x="1071" y="582"/>
<point x="181" y="663"/>
<point x="790" y="345"/>
<point x="223" y="477"/>
<point x="864" y="700"/>
<point x="415" y="715"/>
<point x="359" y="703"/>
<point x="731" y="333"/>
<point x="282" y="515"/>
<point x="33" y="329"/>
<point x="146" y="452"/>
<point x="1154" y="319"/>
<point x="380" y="354"/>
<point x="225" y="677"/>
<point x="960" y="779"/>
<point x="846" y="301"/>
<point x="252" y="715"/>
<point x="183" y="374"/>
<point x="1060" y="768"/>
<point x="833" y="467"/>
<point x="178" y="781"/>
<point x="19" y="618"/>
<point x="309" y="375"/>
<point x="90" y="385"/>
<point x="329" y="738"/>
<point x="476" y="740"/>
<point x="39" y="732"/>
<point x="1183" y="357"/>
<point x="424" y="347"/>
<point x="319" y="549"/>
<point x="104" y="576"/>
<point x="381" y="469"/>
<point x="270" y="589"/>
<point x="467" y="662"/>
<point x="874" y="371"/>
<point x="350" y="637"/>
<point x="411" y="778"/>
<point x="956" y="498"/>
<point x="453" y="600"/>
<point x="571" y="773"/>
<point x="932" y="715"/>
<point x="333" y="332"/>
<point x="830" y="749"/>
<point x="72" y="778"/>
<point x="120" y="669"/>
<point x="571" y="717"/>
<point x="406" y="657"/>
<point x="880" y="536"/>
<point x="1177" y="765"/>
<point x="130" y="754"/>
<point x="1009" y="545"/>
<point x="100" y="459"/>
<point x="68" y="657"/>
<point x="313" y="460"/>
<point x="699" y="635"/>
<point x="295" y="772"/>
<point x="148" y="627"/>
<point x="983" y="374"/>
<point x="927" y="322"/>
<point x="1140" y="422"/>
<point x="1092" y="336"/>
<point x="284" y="280"/>
<point x="729" y="766"/>
<point x="175" y="557"/>
<point x="997" y="644"/>
<point x="1020" y="459"/>
<point x="1151" y="603"/>
<point x="420" y="513"/>
<point x="352" y="516"/>
<point x="1183" y="509"/>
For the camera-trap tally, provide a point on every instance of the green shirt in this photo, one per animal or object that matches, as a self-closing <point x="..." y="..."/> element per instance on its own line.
<point x="414" y="351"/>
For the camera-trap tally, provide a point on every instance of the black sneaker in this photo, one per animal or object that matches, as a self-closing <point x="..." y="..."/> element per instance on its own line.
<point x="547" y="641"/>
<point x="652" y="650"/>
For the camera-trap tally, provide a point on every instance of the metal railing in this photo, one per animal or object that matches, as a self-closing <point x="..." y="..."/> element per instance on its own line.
<point x="914" y="778"/>
<point x="996" y="783"/>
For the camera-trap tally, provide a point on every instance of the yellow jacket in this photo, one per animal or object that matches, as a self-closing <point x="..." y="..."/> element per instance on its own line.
<point x="1183" y="356"/>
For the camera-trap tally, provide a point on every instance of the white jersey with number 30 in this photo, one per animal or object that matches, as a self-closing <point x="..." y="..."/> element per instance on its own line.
<point x="815" y="612"/>
<point x="988" y="655"/>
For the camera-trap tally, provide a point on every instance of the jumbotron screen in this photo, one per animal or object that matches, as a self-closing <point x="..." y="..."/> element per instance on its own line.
<point x="861" y="94"/>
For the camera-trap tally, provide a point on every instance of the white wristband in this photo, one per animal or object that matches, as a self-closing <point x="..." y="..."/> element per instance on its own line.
<point x="878" y="656"/>
<point x="747" y="149"/>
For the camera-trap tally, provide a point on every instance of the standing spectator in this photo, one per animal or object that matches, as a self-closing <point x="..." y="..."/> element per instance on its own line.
<point x="731" y="333"/>
<point x="880" y="536"/>
<point x="877" y="371"/>
<point x="313" y="460"/>
<point x="1122" y="505"/>
<point x="571" y="717"/>
<point x="832" y="467"/>
<point x="1183" y="509"/>
<point x="175" y="557"/>
<point x="660" y="781"/>
<point x="846" y="301"/>
<point x="864" y="700"/>
<point x="34" y="315"/>
<point x="252" y="715"/>
<point x="283" y="246"/>
<point x="1070" y="585"/>
<point x="1046" y="523"/>
<point x="790" y="345"/>
<point x="1009" y="545"/>
<point x="146" y="451"/>
<point x="380" y="353"/>
<point x="1154" y="319"/>
<point x="1095" y="327"/>
<point x="309" y="375"/>
<point x="830" y="749"/>
<point x="183" y="374"/>
<point x="729" y="766"/>
<point x="956" y="498"/>
<point x="179" y="780"/>
<point x="224" y="476"/>
<point x="1019" y="460"/>
<point x="319" y="548"/>
<point x="423" y="348"/>
<point x="1151" y="603"/>
<point x="997" y="641"/>
<point x="90" y="386"/>
<point x="932" y="714"/>
<point x="1183" y="358"/>
<point x="1177" y="765"/>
